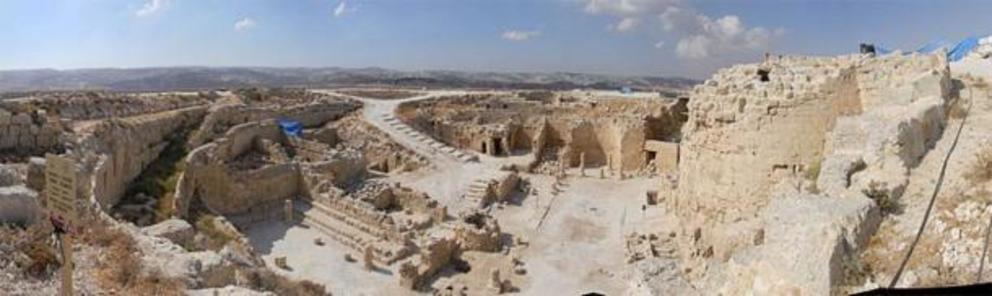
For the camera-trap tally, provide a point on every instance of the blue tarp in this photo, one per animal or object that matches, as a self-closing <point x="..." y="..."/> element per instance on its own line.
<point x="935" y="45"/>
<point x="291" y="127"/>
<point x="882" y="50"/>
<point x="962" y="48"/>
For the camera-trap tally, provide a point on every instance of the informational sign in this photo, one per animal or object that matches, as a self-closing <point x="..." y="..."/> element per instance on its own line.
<point x="60" y="190"/>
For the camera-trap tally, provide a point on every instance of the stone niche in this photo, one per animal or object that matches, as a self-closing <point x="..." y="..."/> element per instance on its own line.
<point x="609" y="132"/>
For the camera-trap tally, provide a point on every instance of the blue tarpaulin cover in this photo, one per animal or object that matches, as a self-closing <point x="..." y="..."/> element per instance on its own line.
<point x="935" y="45"/>
<point x="962" y="49"/>
<point x="882" y="50"/>
<point x="291" y="127"/>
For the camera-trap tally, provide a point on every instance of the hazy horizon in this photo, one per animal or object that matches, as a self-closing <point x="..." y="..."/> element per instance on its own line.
<point x="661" y="38"/>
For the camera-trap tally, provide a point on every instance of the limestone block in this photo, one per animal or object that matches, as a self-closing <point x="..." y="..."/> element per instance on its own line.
<point x="836" y="171"/>
<point x="176" y="230"/>
<point x="808" y="240"/>
<point x="36" y="173"/>
<point x="7" y="141"/>
<point x="15" y="131"/>
<point x="8" y="176"/>
<point x="26" y="141"/>
<point x="21" y="119"/>
<point x="19" y="205"/>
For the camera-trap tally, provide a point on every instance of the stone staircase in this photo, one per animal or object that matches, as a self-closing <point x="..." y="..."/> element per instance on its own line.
<point x="434" y="145"/>
<point x="477" y="192"/>
<point x="349" y="231"/>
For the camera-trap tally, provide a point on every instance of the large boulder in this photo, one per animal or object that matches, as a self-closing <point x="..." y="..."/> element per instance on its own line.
<point x="809" y="239"/>
<point x="178" y="231"/>
<point x="9" y="176"/>
<point x="204" y="269"/>
<point x="19" y="205"/>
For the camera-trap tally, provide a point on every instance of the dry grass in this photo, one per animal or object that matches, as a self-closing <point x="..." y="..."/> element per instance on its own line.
<point x="266" y="280"/>
<point x="33" y="246"/>
<point x="119" y="267"/>
<point x="886" y="203"/>
<point x="981" y="170"/>
<point x="217" y="237"/>
<point x="957" y="110"/>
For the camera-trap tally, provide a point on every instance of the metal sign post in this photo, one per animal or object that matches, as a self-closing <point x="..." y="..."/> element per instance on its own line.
<point x="60" y="199"/>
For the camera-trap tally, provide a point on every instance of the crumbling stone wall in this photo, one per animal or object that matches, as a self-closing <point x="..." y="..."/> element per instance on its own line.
<point x="608" y="131"/>
<point x="224" y="190"/>
<point x="801" y="148"/>
<point x="100" y="105"/>
<point x="28" y="130"/>
<point x="120" y="149"/>
<point x="437" y="254"/>
<point x="743" y="135"/>
<point x="377" y="150"/>
<point x="310" y="114"/>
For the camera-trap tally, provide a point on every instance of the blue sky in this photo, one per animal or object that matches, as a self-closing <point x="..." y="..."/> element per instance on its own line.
<point x="630" y="37"/>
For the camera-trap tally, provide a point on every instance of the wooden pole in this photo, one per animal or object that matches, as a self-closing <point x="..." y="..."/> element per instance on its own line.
<point x="67" y="265"/>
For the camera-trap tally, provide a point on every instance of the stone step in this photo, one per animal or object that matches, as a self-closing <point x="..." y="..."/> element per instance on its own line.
<point x="336" y="229"/>
<point x="323" y="218"/>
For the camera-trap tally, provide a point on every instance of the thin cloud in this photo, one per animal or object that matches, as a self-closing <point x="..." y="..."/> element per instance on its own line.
<point x="626" y="24"/>
<point x="518" y="36"/>
<point x="341" y="9"/>
<point x="151" y="7"/>
<point x="244" y="24"/>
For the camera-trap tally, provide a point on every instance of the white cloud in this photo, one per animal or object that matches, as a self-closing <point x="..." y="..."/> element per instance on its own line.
<point x="659" y="44"/>
<point x="626" y="24"/>
<point x="151" y="7"/>
<point x="341" y="9"/>
<point x="699" y="36"/>
<point x="703" y="37"/>
<point x="520" y="35"/>
<point x="244" y="24"/>
<point x="628" y="7"/>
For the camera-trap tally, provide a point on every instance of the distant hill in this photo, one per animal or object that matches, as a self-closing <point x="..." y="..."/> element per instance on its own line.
<point x="193" y="78"/>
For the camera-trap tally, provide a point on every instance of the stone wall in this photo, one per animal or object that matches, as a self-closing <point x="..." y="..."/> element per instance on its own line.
<point x="743" y="135"/>
<point x="608" y="131"/>
<point x="224" y="190"/>
<point x="223" y="116"/>
<point x="29" y="130"/>
<point x="775" y="175"/>
<point x="118" y="150"/>
<point x="99" y="105"/>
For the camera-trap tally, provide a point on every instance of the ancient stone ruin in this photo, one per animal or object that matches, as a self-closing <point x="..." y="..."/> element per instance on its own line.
<point x="795" y="175"/>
